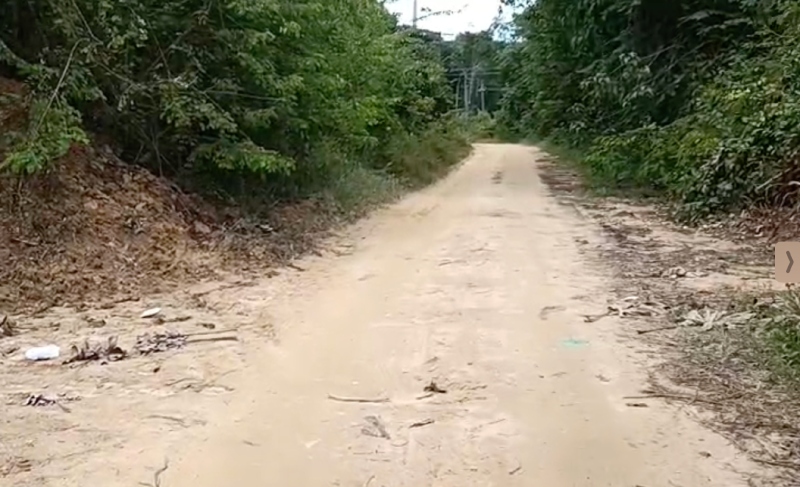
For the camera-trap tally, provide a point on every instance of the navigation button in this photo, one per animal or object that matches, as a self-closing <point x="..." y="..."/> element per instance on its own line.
<point x="785" y="255"/>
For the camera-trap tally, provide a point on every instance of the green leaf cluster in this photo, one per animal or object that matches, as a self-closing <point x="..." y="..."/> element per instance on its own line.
<point x="695" y="99"/>
<point x="260" y="90"/>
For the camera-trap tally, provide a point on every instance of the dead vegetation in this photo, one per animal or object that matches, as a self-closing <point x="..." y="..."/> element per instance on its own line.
<point x="106" y="351"/>
<point x="91" y="228"/>
<point x="725" y="336"/>
<point x="96" y="229"/>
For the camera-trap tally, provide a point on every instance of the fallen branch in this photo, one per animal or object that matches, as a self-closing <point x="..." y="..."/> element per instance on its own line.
<point x="666" y="328"/>
<point x="424" y="422"/>
<point x="209" y="332"/>
<point x="682" y="397"/>
<point x="593" y="318"/>
<point x="41" y="400"/>
<point x="213" y="339"/>
<point x="223" y="288"/>
<point x="778" y="463"/>
<point x="434" y="388"/>
<point x="26" y="242"/>
<point x="180" y="421"/>
<point x="358" y="399"/>
<point x="661" y="328"/>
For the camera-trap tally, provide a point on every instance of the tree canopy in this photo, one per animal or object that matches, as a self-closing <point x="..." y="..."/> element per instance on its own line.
<point x="284" y="91"/>
<point x="694" y="98"/>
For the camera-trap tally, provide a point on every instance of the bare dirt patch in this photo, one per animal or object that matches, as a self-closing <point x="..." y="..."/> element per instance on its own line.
<point x="123" y="380"/>
<point x="696" y="297"/>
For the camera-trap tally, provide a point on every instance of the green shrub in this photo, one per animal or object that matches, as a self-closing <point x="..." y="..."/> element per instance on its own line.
<point x="697" y="100"/>
<point x="237" y="98"/>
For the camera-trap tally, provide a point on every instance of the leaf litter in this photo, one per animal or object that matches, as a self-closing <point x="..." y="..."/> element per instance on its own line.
<point x="708" y="347"/>
<point x="56" y="228"/>
<point x="149" y="343"/>
<point x="90" y="350"/>
<point x="41" y="400"/>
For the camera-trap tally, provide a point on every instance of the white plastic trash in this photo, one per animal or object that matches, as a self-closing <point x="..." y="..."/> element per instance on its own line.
<point x="47" y="352"/>
<point x="151" y="312"/>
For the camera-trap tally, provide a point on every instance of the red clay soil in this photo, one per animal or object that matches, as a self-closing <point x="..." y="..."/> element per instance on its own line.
<point x="93" y="228"/>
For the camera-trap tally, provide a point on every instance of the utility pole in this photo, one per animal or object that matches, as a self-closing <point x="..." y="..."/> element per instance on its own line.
<point x="415" y="16"/>
<point x="467" y="93"/>
<point x="458" y="89"/>
<point x="471" y="86"/>
<point x="482" y="91"/>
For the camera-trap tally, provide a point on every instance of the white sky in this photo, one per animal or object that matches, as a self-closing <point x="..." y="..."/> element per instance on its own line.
<point x="471" y="15"/>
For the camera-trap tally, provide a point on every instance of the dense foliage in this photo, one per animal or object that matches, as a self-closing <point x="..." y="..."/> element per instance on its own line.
<point x="288" y="95"/>
<point x="697" y="99"/>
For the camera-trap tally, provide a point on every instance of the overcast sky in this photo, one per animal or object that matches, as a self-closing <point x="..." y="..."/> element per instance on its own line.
<point x="474" y="15"/>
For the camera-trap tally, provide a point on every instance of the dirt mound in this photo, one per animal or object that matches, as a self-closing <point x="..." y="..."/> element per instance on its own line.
<point x="93" y="228"/>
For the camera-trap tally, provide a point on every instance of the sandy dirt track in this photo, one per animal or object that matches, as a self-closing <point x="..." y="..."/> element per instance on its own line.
<point x="475" y="285"/>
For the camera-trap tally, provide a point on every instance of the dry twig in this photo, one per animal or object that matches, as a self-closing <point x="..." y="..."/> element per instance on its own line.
<point x="424" y="422"/>
<point x="358" y="399"/>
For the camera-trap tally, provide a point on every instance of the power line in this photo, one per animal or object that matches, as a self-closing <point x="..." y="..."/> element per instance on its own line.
<point x="469" y="70"/>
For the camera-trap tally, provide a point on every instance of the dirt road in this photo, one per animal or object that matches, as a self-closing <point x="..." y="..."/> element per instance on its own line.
<point x="476" y="285"/>
<point x="475" y="288"/>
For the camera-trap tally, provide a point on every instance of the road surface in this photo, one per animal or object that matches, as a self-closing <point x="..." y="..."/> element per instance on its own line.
<point x="475" y="286"/>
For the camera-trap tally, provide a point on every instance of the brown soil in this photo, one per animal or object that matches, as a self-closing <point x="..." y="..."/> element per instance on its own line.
<point x="445" y="345"/>
<point x="719" y="271"/>
<point x="93" y="228"/>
